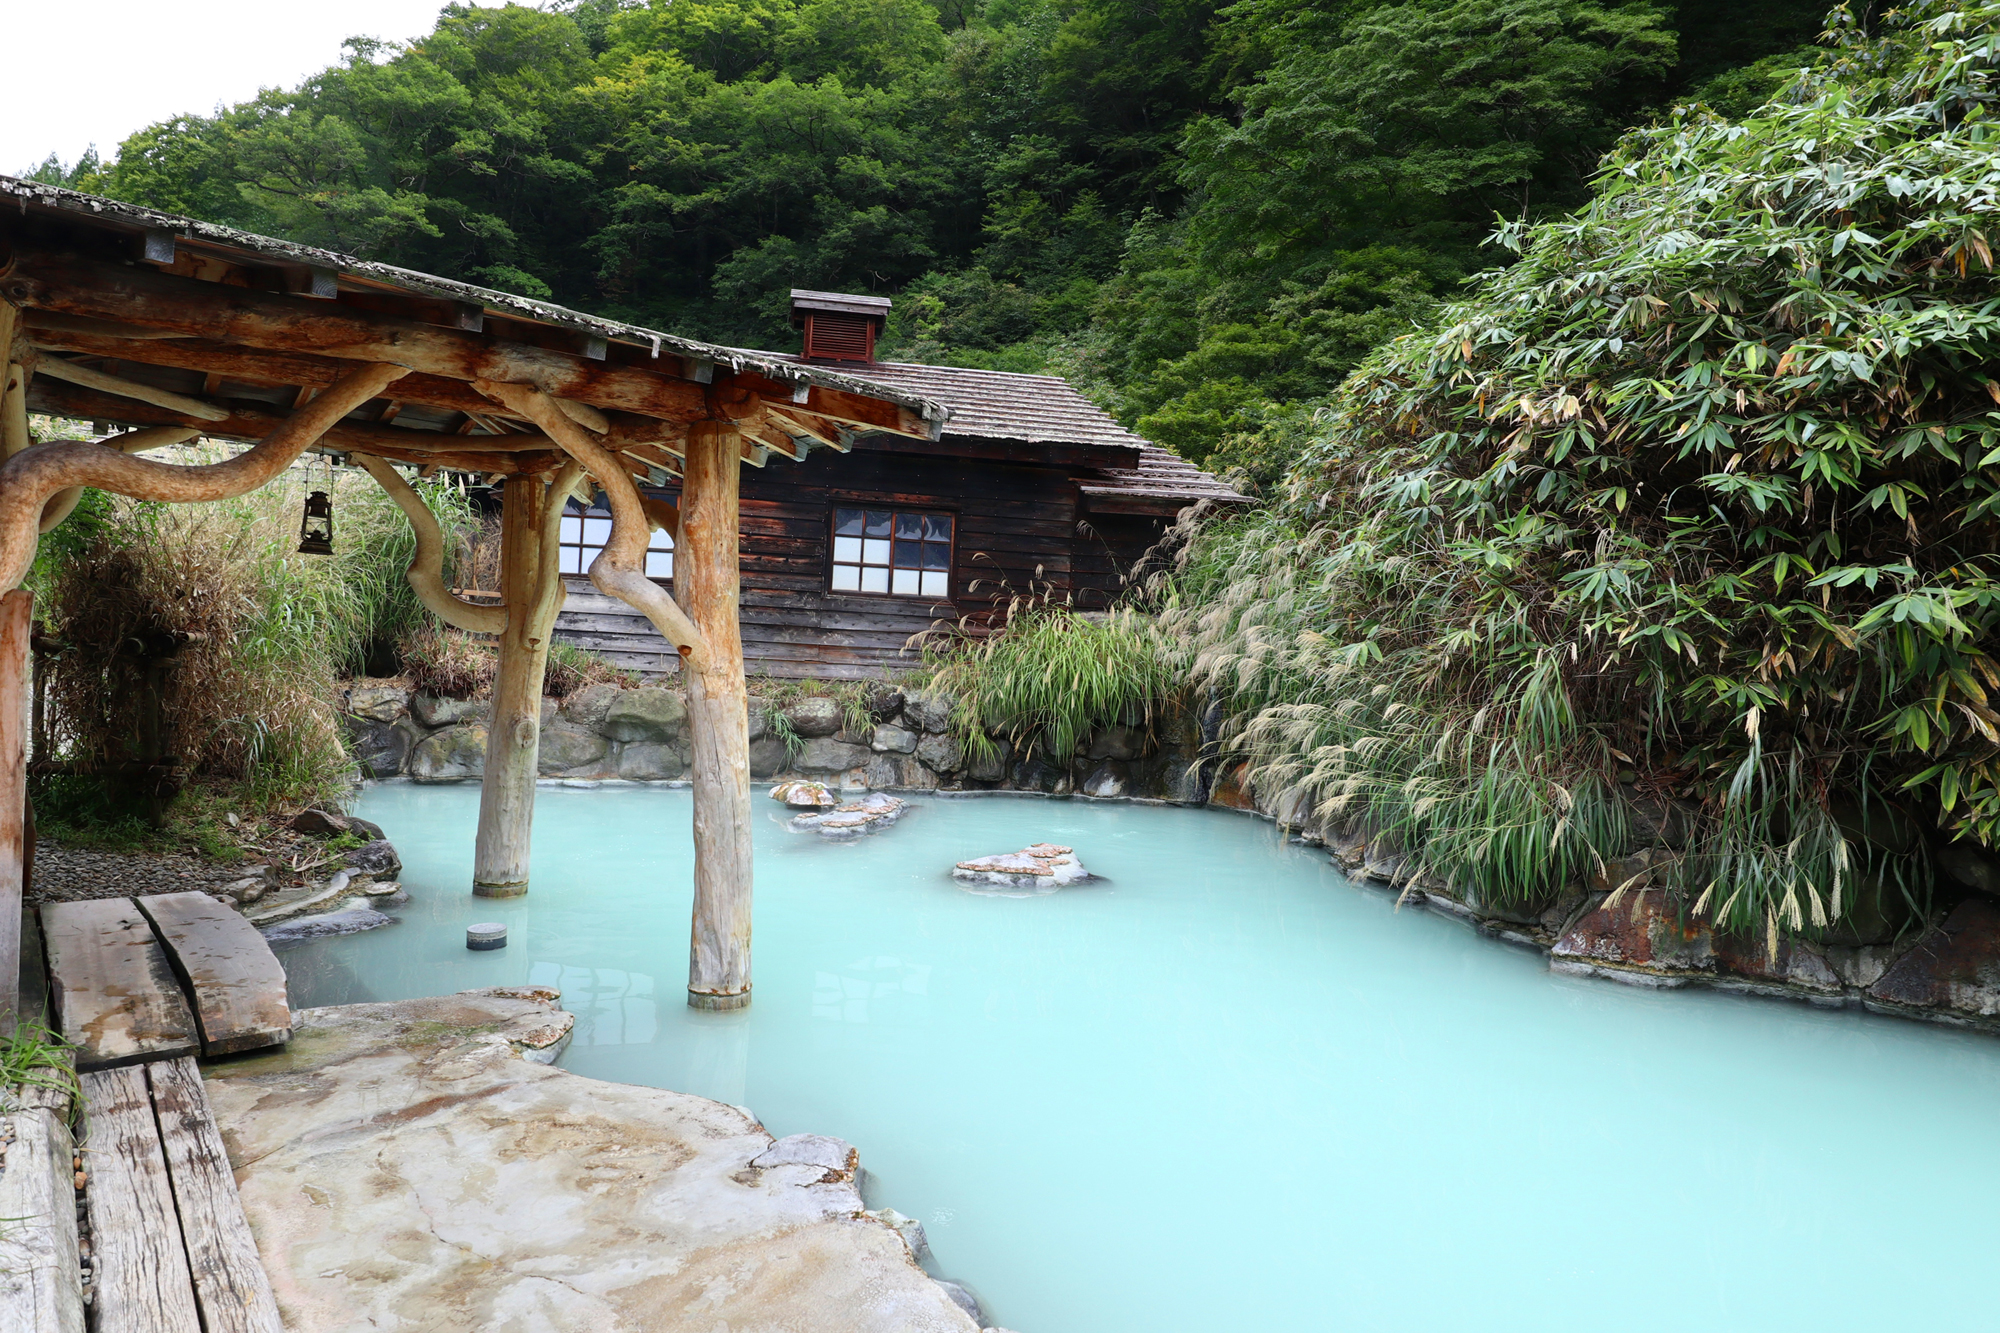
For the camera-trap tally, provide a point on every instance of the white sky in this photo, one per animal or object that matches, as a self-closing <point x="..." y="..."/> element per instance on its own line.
<point x="93" y="71"/>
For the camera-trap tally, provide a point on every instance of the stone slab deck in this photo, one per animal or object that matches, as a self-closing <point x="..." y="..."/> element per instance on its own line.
<point x="404" y="1168"/>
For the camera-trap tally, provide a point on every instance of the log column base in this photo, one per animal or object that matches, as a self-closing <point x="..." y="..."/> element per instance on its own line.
<point x="500" y="890"/>
<point x="715" y="1003"/>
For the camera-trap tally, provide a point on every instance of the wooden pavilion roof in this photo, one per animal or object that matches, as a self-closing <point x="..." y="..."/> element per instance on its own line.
<point x="144" y="318"/>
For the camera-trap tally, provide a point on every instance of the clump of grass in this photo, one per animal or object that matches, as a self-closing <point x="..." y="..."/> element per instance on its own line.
<point x="33" y="1056"/>
<point x="1053" y="675"/>
<point x="781" y="727"/>
<point x="572" y="668"/>
<point x="850" y="695"/>
<point x="448" y="663"/>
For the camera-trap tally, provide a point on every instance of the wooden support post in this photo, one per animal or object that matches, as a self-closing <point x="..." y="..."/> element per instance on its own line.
<point x="17" y="616"/>
<point x="513" y="739"/>
<point x="706" y="566"/>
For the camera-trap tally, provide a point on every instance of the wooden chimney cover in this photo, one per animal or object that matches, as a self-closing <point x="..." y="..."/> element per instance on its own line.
<point x="838" y="326"/>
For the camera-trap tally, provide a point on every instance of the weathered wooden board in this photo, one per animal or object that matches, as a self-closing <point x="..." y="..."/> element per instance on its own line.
<point x="113" y="990"/>
<point x="142" y="1283"/>
<point x="41" y="1290"/>
<point x="229" y="1280"/>
<point x="34" y="970"/>
<point x="17" y="610"/>
<point x="237" y="983"/>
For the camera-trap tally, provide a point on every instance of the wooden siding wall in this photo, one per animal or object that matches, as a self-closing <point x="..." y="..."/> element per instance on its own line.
<point x="1017" y="526"/>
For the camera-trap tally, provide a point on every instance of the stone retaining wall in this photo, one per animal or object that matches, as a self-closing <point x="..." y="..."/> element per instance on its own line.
<point x="608" y="732"/>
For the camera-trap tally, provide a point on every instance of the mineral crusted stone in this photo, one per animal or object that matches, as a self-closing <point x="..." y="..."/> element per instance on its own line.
<point x="805" y="795"/>
<point x="871" y="814"/>
<point x="1044" y="866"/>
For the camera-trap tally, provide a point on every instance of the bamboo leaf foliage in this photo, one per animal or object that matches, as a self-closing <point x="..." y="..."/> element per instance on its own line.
<point x="1698" y="500"/>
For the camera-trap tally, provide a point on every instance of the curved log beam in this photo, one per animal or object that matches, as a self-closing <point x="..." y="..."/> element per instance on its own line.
<point x="426" y="572"/>
<point x="664" y="516"/>
<point x="620" y="569"/>
<point x="33" y="475"/>
<point x="583" y="414"/>
<point x="550" y="590"/>
<point x="57" y="368"/>
<point x="63" y="502"/>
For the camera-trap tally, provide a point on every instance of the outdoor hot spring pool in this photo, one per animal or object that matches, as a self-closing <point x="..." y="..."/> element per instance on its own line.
<point x="1225" y="1089"/>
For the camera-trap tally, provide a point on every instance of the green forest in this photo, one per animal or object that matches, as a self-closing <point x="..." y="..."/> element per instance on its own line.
<point x="1205" y="215"/>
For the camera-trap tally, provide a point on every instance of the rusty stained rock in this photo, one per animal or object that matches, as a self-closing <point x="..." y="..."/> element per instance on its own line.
<point x="1643" y="936"/>
<point x="1232" y="788"/>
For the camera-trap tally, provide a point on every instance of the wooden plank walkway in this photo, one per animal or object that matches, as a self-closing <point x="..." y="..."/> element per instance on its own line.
<point x="141" y="1266"/>
<point x="174" y="1253"/>
<point x="112" y="986"/>
<point x="236" y="981"/>
<point x="171" y="1249"/>
<point x="229" y="1280"/>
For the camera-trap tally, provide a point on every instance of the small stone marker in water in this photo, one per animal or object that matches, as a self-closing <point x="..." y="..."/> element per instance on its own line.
<point x="486" y="935"/>
<point x="1041" y="868"/>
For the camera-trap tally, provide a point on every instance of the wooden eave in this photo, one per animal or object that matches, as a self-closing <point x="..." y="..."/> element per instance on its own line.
<point x="227" y="332"/>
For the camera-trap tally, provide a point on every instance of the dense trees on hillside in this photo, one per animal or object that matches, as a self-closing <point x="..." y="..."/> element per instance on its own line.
<point x="1205" y="213"/>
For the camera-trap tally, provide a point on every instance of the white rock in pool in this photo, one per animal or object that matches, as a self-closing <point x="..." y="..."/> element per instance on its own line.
<point x="804" y="795"/>
<point x="870" y="814"/>
<point x="1041" y="868"/>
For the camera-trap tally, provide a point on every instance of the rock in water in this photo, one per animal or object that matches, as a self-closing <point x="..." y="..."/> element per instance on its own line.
<point x="376" y="858"/>
<point x="871" y="814"/>
<point x="1041" y="868"/>
<point x="349" y="920"/>
<point x="805" y="795"/>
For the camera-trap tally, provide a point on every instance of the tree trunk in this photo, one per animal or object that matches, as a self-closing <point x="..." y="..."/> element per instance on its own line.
<point x="514" y="734"/>
<point x="17" y="610"/>
<point x="707" y="571"/>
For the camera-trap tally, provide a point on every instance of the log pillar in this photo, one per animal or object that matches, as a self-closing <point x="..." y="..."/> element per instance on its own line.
<point x="514" y="733"/>
<point x="17" y="612"/>
<point x="707" y="575"/>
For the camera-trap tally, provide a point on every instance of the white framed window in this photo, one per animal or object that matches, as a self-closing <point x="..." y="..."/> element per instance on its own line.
<point x="891" y="553"/>
<point x="585" y="529"/>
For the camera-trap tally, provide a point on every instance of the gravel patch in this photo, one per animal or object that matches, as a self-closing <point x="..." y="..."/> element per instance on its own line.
<point x="67" y="874"/>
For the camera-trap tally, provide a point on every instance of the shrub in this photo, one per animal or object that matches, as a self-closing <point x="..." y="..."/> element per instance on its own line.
<point x="1700" y="494"/>
<point x="1053" y="675"/>
<point x="265" y="631"/>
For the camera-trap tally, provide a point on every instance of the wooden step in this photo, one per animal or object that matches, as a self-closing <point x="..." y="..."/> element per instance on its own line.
<point x="114" y="992"/>
<point x="140" y="1263"/>
<point x="174" y="1252"/>
<point x="230" y="1284"/>
<point x="236" y="981"/>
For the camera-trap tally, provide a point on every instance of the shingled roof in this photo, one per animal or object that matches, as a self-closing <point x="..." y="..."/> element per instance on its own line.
<point x="1045" y="409"/>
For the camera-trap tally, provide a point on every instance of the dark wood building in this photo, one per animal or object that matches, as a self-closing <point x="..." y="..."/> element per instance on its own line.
<point x="1032" y="487"/>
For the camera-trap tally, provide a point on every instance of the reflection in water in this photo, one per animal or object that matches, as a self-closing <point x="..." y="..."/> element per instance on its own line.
<point x="612" y="1008"/>
<point x="895" y="987"/>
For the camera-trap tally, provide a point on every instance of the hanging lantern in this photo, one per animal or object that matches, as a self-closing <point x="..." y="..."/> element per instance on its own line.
<point x="316" y="527"/>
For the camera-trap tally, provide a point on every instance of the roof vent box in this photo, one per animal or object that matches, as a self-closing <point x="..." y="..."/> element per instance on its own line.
<point x="838" y="327"/>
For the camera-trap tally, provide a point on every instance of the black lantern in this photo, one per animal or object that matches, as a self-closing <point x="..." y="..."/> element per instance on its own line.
<point x="316" y="528"/>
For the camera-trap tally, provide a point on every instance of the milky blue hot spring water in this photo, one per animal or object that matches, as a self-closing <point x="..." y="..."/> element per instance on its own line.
<point x="1225" y="1089"/>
